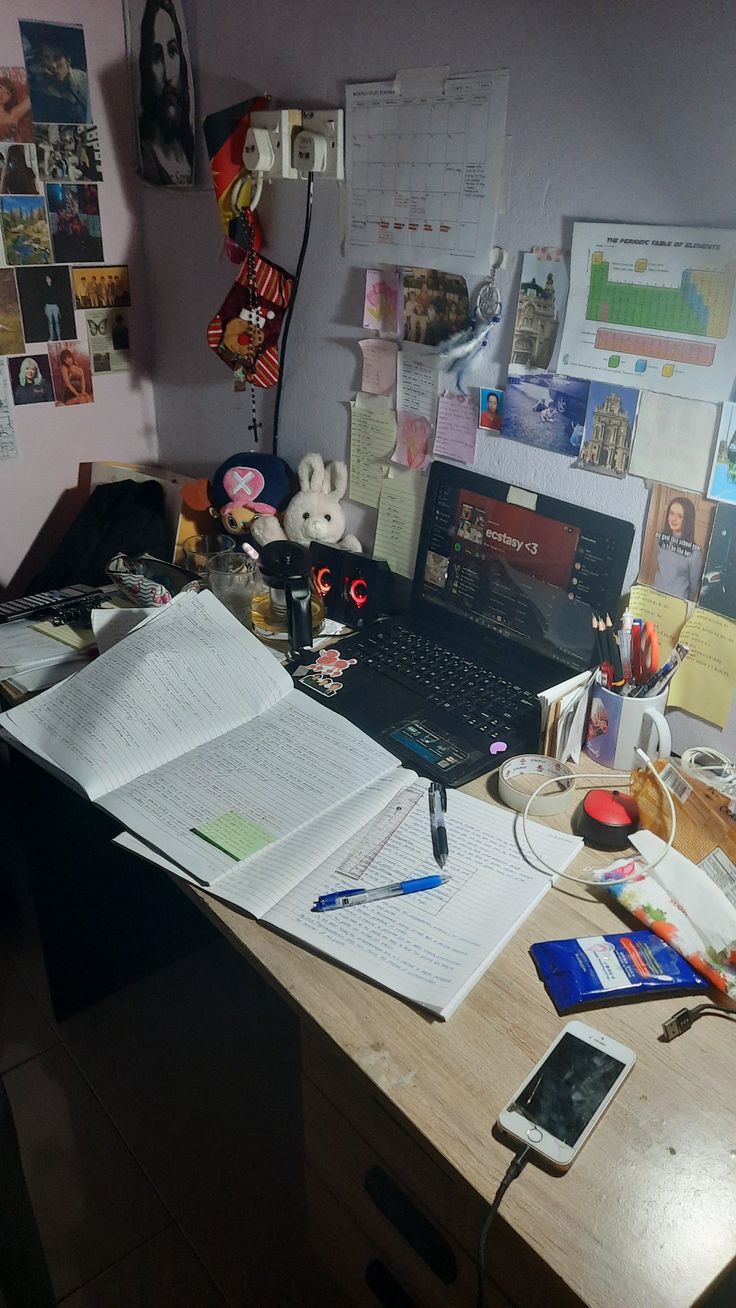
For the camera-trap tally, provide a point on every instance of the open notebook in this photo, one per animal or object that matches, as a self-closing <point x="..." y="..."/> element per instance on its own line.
<point x="429" y="948"/>
<point x="189" y="733"/>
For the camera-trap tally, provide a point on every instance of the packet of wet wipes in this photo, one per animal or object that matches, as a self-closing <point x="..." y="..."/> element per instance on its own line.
<point x="598" y="969"/>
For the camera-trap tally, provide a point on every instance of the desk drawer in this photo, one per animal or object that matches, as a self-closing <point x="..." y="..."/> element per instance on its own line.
<point x="390" y="1209"/>
<point x="377" y="1135"/>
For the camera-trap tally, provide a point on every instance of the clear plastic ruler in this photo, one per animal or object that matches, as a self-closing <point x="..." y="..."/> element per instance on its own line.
<point x="359" y="856"/>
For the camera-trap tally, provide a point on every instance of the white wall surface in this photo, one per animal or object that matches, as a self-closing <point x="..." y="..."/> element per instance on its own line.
<point x="616" y="111"/>
<point x="38" y="495"/>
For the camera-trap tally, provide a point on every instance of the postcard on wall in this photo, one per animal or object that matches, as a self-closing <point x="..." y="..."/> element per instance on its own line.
<point x="56" y="64"/>
<point x="30" y="379"/>
<point x="8" y="439"/>
<point x="16" y="123"/>
<point x="68" y="153"/>
<point x="722" y="481"/>
<point x="540" y="308"/>
<point x="425" y="170"/>
<point x="609" y="429"/>
<point x="46" y="303"/>
<point x="25" y="229"/>
<point x="718" y="591"/>
<point x="545" y="410"/>
<point x="381" y="302"/>
<point x="108" y="334"/>
<point x="74" y="215"/>
<point x="164" y="108"/>
<point x="71" y="373"/>
<point x="677" y="436"/>
<point x="102" y="287"/>
<point x="655" y="306"/>
<point x="435" y="306"/>
<point x="19" y="169"/>
<point x="675" y="542"/>
<point x="490" y="409"/>
<point x="11" y="331"/>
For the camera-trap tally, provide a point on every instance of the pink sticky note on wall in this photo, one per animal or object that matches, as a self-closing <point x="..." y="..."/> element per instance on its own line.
<point x="455" y="433"/>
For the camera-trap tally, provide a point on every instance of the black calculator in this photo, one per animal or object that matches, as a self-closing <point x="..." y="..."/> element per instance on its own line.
<point x="37" y="606"/>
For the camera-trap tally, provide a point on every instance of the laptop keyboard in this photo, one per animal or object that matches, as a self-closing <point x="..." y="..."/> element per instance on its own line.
<point x="481" y="699"/>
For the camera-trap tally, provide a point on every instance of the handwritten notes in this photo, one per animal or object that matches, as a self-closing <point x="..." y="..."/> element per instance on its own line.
<point x="399" y="520"/>
<point x="416" y="387"/>
<point x="705" y="683"/>
<point x="234" y="834"/>
<point x="372" y="438"/>
<point x="457" y="420"/>
<point x="667" y="613"/>
<point x="379" y="366"/>
<point x="674" y="437"/>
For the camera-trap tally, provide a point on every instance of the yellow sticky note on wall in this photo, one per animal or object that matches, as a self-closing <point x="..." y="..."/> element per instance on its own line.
<point x="705" y="683"/>
<point x="666" y="612"/>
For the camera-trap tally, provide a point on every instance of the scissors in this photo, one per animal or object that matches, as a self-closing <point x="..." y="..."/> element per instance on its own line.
<point x="644" y="651"/>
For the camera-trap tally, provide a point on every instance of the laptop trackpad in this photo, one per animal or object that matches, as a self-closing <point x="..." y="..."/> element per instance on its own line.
<point x="426" y="745"/>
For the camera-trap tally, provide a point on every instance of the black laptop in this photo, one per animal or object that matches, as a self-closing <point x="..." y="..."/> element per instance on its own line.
<point x="505" y="587"/>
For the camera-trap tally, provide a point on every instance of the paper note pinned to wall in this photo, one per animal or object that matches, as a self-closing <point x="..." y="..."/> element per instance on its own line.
<point x="666" y="612"/>
<point x="674" y="438"/>
<point x="455" y="434"/>
<point x="381" y="304"/>
<point x="705" y="683"/>
<point x="399" y="520"/>
<point x="379" y="366"/>
<point x="372" y="437"/>
<point x="234" y="834"/>
<point x="416" y="387"/>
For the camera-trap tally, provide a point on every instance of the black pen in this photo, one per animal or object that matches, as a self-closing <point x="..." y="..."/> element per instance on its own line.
<point x="437" y="810"/>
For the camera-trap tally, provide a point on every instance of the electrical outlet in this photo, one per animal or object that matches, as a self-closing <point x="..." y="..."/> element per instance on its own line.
<point x="329" y="123"/>
<point x="282" y="126"/>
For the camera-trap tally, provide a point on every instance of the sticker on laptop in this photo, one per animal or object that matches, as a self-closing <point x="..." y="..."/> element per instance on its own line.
<point x="322" y="684"/>
<point x="330" y="662"/>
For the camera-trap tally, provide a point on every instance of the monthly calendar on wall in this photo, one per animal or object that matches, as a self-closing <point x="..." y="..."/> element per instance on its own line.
<point x="425" y="170"/>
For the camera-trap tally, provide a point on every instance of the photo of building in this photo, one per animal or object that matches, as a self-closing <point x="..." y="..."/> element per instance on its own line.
<point x="536" y="326"/>
<point x="608" y="432"/>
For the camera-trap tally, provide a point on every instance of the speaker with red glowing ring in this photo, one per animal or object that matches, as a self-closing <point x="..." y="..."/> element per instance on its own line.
<point x="355" y="589"/>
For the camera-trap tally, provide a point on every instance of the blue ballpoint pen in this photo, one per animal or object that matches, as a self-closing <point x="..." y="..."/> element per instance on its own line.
<point x="350" y="898"/>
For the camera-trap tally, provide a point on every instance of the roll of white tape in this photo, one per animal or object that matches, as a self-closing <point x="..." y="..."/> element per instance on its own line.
<point x="536" y="768"/>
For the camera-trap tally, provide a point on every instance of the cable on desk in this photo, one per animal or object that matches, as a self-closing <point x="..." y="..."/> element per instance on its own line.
<point x="683" y="1019"/>
<point x="514" y="1169"/>
<point x="290" y="310"/>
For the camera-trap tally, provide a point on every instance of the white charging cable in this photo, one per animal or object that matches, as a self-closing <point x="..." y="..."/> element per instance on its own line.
<point x="602" y="779"/>
<point x="711" y="767"/>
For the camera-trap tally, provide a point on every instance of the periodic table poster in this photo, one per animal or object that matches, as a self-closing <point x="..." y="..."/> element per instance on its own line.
<point x="425" y="170"/>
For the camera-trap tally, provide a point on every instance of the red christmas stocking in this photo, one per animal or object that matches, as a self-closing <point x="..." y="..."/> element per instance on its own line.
<point x="245" y="331"/>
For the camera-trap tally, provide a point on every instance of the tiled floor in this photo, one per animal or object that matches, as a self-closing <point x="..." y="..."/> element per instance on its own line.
<point x="159" y="1132"/>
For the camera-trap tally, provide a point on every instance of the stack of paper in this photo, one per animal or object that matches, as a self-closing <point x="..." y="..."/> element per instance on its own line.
<point x="191" y="734"/>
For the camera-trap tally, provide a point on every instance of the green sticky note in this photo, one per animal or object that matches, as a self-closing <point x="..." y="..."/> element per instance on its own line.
<point x="234" y="834"/>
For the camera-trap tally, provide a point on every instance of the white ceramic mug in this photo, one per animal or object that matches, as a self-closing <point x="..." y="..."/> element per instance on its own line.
<point x="617" y="724"/>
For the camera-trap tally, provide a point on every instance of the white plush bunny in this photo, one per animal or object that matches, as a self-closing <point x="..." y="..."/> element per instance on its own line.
<point x="315" y="512"/>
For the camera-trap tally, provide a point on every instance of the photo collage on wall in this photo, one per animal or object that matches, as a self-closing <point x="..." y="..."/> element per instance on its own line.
<point x="51" y="240"/>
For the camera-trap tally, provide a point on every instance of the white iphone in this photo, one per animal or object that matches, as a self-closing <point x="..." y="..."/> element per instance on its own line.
<point x="567" y="1092"/>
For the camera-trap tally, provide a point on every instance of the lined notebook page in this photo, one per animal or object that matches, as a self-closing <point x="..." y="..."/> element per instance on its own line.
<point x="260" y="883"/>
<point x="176" y="682"/>
<point x="280" y="771"/>
<point x="430" y="948"/>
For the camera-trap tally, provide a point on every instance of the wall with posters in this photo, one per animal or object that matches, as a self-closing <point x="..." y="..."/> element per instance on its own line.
<point x="614" y="112"/>
<point x="37" y="489"/>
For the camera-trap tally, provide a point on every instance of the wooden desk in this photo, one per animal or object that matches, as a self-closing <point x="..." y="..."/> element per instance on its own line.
<point x="647" y="1214"/>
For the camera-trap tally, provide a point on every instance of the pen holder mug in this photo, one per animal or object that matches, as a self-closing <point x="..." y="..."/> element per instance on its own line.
<point x="618" y="724"/>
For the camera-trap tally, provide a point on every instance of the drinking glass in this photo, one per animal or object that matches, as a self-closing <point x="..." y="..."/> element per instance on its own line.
<point x="198" y="550"/>
<point x="230" y="576"/>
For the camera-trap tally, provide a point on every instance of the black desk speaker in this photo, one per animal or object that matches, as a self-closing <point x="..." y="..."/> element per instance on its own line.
<point x="355" y="589"/>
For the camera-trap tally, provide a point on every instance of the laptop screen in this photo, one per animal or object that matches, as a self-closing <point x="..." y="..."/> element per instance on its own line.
<point x="533" y="575"/>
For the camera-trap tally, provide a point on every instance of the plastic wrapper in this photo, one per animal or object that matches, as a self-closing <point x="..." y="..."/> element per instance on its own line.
<point x="599" y="969"/>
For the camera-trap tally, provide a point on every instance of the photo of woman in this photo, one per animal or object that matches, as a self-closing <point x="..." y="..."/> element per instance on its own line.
<point x="71" y="372"/>
<point x="675" y="542"/>
<point x="30" y="386"/>
<point x="15" y="106"/>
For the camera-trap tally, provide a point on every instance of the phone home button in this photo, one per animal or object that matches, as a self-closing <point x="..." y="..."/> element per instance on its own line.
<point x="534" y="1135"/>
